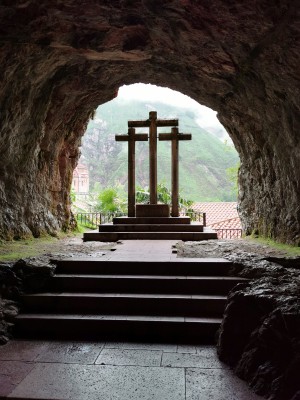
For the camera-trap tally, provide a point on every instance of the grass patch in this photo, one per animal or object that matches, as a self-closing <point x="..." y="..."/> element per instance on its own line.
<point x="292" y="251"/>
<point x="84" y="227"/>
<point x="16" y="249"/>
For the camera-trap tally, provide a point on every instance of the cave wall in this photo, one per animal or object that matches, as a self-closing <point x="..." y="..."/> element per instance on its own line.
<point x="60" y="59"/>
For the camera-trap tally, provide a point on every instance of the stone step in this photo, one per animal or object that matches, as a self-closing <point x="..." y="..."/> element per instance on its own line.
<point x="177" y="267"/>
<point x="117" y="327"/>
<point x="125" y="303"/>
<point x="115" y="236"/>
<point x="181" y="300"/>
<point x="152" y="220"/>
<point x="151" y="228"/>
<point x="144" y="284"/>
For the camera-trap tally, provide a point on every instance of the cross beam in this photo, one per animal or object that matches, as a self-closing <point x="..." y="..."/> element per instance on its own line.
<point x="152" y="123"/>
<point x="159" y="122"/>
<point x="175" y="136"/>
<point x="131" y="138"/>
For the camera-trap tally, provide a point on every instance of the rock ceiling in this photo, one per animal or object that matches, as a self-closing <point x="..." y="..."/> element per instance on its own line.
<point x="61" y="59"/>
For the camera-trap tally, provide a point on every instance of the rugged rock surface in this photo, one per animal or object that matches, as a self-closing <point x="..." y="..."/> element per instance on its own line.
<point x="60" y="60"/>
<point x="8" y="310"/>
<point x="237" y="249"/>
<point x="33" y="273"/>
<point x="8" y="307"/>
<point x="260" y="332"/>
<point x="28" y="275"/>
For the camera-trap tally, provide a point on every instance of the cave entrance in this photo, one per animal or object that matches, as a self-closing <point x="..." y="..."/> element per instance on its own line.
<point x="60" y="62"/>
<point x="207" y="168"/>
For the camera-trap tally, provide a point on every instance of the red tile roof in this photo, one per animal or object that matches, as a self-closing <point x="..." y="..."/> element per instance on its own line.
<point x="232" y="223"/>
<point x="221" y="215"/>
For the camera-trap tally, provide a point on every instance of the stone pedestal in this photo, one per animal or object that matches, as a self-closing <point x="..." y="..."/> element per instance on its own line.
<point x="152" y="210"/>
<point x="152" y="222"/>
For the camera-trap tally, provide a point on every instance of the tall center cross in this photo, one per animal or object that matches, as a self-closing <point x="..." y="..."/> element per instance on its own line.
<point x="153" y="123"/>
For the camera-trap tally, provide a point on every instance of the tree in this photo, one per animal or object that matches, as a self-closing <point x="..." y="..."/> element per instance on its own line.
<point x="164" y="196"/>
<point x="109" y="200"/>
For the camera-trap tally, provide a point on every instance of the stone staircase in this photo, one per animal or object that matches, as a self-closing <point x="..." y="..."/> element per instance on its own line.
<point x="129" y="300"/>
<point x="150" y="228"/>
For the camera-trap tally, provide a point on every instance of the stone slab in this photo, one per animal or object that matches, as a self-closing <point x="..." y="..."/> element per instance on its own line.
<point x="183" y="360"/>
<point x="101" y="382"/>
<point x="166" y="347"/>
<point x="151" y="228"/>
<point x="152" y="220"/>
<point x="186" y="349"/>
<point x="207" y="351"/>
<point x="22" y="350"/>
<point x="144" y="358"/>
<point x="152" y="210"/>
<point x="118" y="264"/>
<point x="216" y="384"/>
<point x="11" y="374"/>
<point x="115" y="236"/>
<point x="71" y="352"/>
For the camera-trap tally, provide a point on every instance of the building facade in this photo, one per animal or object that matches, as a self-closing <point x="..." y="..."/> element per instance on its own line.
<point x="80" y="182"/>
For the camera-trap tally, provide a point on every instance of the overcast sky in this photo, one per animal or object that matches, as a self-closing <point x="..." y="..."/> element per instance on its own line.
<point x="206" y="117"/>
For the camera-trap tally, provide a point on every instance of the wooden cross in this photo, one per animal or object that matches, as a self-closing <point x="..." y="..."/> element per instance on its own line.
<point x="153" y="123"/>
<point x="131" y="138"/>
<point x="175" y="136"/>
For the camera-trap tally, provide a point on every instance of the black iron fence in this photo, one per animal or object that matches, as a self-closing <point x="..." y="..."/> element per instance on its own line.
<point x="93" y="219"/>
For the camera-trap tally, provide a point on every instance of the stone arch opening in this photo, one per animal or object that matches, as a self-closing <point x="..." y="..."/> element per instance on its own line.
<point x="204" y="162"/>
<point x="59" y="61"/>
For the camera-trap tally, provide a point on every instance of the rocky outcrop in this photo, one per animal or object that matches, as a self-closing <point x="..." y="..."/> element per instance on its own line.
<point x="60" y="60"/>
<point x="24" y="276"/>
<point x="260" y="332"/>
<point x="8" y="307"/>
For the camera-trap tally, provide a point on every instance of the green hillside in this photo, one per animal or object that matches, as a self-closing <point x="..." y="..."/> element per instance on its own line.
<point x="203" y="161"/>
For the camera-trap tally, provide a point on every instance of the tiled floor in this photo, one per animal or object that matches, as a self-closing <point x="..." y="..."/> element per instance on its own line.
<point x="113" y="371"/>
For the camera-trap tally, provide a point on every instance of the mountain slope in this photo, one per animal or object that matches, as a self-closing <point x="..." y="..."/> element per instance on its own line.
<point x="203" y="161"/>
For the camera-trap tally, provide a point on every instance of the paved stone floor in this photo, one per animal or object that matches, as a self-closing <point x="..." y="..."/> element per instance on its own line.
<point x="142" y="250"/>
<point x="147" y="250"/>
<point x="112" y="371"/>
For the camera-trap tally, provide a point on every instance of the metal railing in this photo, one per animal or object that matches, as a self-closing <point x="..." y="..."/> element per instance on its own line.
<point x="93" y="219"/>
<point x="196" y="216"/>
<point x="229" y="233"/>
